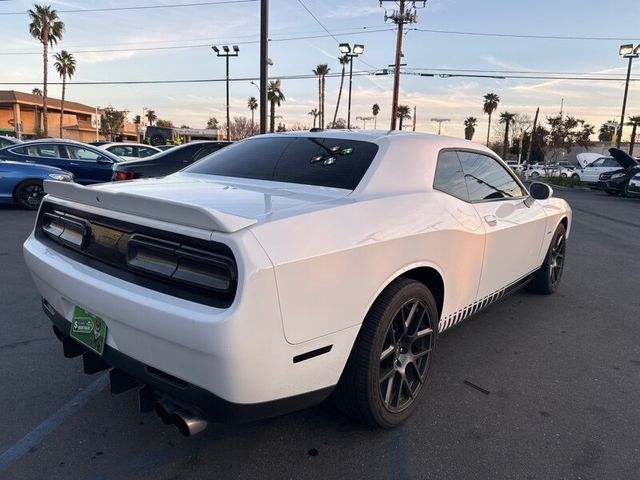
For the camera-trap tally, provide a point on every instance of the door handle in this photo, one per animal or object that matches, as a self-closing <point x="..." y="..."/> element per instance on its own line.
<point x="74" y="164"/>
<point x="490" y="219"/>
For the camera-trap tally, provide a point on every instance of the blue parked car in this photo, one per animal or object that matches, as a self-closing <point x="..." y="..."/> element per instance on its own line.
<point x="21" y="182"/>
<point x="7" y="141"/>
<point x="87" y="163"/>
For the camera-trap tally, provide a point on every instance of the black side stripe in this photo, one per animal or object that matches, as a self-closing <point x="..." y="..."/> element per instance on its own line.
<point x="313" y="353"/>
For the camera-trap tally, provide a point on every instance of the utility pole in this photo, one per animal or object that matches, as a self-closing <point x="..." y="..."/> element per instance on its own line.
<point x="440" y="121"/>
<point x="264" y="63"/>
<point x="226" y="53"/>
<point x="399" y="17"/>
<point x="533" y="133"/>
<point x="415" y="108"/>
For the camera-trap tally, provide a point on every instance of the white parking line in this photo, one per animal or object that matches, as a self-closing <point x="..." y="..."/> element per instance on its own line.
<point x="35" y="436"/>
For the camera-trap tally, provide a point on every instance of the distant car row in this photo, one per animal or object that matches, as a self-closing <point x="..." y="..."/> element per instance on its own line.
<point x="25" y="165"/>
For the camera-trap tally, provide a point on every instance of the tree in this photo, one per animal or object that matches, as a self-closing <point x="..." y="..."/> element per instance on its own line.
<point x="404" y="113"/>
<point x="151" y="116"/>
<point x="164" y="123"/>
<point x="375" y="110"/>
<point x="252" y="104"/>
<point x="242" y="127"/>
<point x="340" y="124"/>
<point x="213" y="123"/>
<point x="567" y="131"/>
<point x="489" y="106"/>
<point x="607" y="130"/>
<point x="281" y="127"/>
<point x="47" y="28"/>
<point x="506" y="118"/>
<point x="344" y="60"/>
<point x="111" y="122"/>
<point x="321" y="71"/>
<point x="275" y="97"/>
<point x="470" y="124"/>
<point x="66" y="68"/>
<point x="184" y="125"/>
<point x="314" y="113"/>
<point x="36" y="91"/>
<point x="634" y="122"/>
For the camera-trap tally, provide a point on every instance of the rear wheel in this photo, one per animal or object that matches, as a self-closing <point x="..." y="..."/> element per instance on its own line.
<point x="534" y="174"/>
<point x="392" y="359"/>
<point x="29" y="194"/>
<point x="576" y="177"/>
<point x="547" y="278"/>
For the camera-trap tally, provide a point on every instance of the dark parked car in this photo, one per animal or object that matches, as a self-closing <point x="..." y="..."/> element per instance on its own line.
<point x="87" y="163"/>
<point x="21" y="182"/>
<point x="8" y="141"/>
<point x="617" y="181"/>
<point x="167" y="162"/>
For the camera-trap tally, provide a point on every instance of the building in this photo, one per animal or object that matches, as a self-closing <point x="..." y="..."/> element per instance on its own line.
<point x="21" y="116"/>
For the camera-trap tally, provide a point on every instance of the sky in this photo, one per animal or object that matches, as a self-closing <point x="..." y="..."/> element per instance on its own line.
<point x="190" y="31"/>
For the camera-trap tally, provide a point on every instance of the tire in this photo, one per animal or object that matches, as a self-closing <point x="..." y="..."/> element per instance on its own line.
<point x="611" y="192"/>
<point x="576" y="177"/>
<point x="547" y="278"/>
<point x="157" y="139"/>
<point x="392" y="359"/>
<point x="624" y="190"/>
<point x="29" y="194"/>
<point x="563" y="175"/>
<point x="534" y="175"/>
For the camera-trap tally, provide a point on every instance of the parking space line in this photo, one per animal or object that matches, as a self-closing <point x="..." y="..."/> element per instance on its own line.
<point x="35" y="436"/>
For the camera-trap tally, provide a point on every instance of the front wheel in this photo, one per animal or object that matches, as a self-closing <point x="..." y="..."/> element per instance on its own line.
<point x="547" y="278"/>
<point x="611" y="192"/>
<point x="29" y="194"/>
<point x="392" y="358"/>
<point x="534" y="174"/>
<point x="576" y="177"/>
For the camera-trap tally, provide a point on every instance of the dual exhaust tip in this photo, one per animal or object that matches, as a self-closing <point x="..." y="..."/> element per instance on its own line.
<point x="186" y="422"/>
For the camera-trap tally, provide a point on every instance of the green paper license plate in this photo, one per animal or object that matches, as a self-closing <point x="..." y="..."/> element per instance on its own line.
<point x="89" y="330"/>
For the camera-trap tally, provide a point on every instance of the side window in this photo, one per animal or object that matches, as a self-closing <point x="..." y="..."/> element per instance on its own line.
<point x="146" y="152"/>
<point x="449" y="177"/>
<point x="79" y="153"/>
<point x="611" y="162"/>
<point x="42" y="151"/>
<point x="486" y="179"/>
<point x="203" y="152"/>
<point x="597" y="163"/>
<point x="122" y="150"/>
<point x="20" y="150"/>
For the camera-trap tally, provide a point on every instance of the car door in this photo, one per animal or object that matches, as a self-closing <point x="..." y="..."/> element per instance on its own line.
<point x="514" y="229"/>
<point x="591" y="172"/>
<point x="91" y="166"/>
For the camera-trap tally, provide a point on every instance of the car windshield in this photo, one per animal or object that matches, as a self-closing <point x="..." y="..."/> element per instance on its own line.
<point x="326" y="162"/>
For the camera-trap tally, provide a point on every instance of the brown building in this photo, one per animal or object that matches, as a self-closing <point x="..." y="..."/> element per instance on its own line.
<point x="22" y="113"/>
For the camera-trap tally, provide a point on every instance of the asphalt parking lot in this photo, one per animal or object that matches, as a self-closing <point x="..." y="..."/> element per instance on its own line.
<point x="562" y="376"/>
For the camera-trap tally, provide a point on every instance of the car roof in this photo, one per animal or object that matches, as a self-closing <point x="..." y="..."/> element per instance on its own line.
<point x="126" y="144"/>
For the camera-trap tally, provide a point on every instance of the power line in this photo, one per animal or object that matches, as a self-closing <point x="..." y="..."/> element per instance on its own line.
<point x="201" y="45"/>
<point x="509" y="71"/>
<point x="141" y="7"/>
<point x="516" y="35"/>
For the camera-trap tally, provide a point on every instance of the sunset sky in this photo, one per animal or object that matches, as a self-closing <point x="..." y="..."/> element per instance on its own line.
<point x="174" y="44"/>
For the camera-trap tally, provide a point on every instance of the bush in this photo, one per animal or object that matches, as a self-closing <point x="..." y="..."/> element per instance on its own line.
<point x="562" y="181"/>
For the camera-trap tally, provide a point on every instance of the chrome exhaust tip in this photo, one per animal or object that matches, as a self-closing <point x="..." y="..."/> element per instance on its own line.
<point x="164" y="410"/>
<point x="187" y="423"/>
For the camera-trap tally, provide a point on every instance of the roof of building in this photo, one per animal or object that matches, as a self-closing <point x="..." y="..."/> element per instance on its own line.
<point x="11" y="96"/>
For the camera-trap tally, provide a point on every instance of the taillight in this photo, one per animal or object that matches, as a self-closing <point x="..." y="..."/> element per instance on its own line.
<point x="128" y="175"/>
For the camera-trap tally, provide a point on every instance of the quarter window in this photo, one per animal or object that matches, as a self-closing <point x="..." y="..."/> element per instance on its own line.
<point x="611" y="162"/>
<point x="486" y="179"/>
<point x="449" y="177"/>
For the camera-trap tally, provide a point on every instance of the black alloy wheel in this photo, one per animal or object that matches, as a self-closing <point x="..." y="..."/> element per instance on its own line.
<point x="547" y="278"/>
<point x="405" y="358"/>
<point x="29" y="194"/>
<point x="392" y="358"/>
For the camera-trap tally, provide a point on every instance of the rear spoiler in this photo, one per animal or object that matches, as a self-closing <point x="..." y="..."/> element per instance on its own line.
<point x="148" y="207"/>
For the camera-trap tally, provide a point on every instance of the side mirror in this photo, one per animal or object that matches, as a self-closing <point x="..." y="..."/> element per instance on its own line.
<point x="540" y="191"/>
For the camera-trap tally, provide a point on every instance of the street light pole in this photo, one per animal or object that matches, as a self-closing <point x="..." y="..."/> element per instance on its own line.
<point x="227" y="53"/>
<point x="627" y="51"/>
<point x="350" y="53"/>
<point x="264" y="65"/>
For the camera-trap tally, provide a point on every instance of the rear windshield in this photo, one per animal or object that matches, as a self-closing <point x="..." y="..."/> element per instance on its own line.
<point x="327" y="162"/>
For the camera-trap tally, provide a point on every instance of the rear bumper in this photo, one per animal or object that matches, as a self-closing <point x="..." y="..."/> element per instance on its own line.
<point x="161" y="385"/>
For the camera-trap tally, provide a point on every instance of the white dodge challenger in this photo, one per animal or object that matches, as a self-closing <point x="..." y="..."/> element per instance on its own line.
<point x="288" y="268"/>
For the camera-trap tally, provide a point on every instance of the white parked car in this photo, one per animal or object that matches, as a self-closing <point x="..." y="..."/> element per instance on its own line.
<point x="288" y="267"/>
<point x="130" y="151"/>
<point x="535" y="171"/>
<point x="592" y="166"/>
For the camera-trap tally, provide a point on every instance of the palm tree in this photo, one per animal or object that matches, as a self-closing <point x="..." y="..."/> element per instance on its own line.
<point x="344" y="60"/>
<point x="66" y="68"/>
<point x="375" y="110"/>
<point x="151" y="116"/>
<point x="252" y="104"/>
<point x="321" y="71"/>
<point x="47" y="28"/>
<point x="470" y="124"/>
<point x="507" y="119"/>
<point x="275" y="97"/>
<point x="489" y="106"/>
<point x="404" y="113"/>
<point x="634" y="122"/>
<point x="314" y="113"/>
<point x="36" y="91"/>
